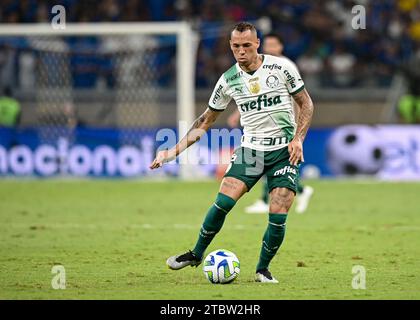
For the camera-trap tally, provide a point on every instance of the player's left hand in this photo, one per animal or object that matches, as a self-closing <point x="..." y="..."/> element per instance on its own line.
<point x="296" y="151"/>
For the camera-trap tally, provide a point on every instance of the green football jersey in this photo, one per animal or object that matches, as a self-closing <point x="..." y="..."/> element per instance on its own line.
<point x="264" y="100"/>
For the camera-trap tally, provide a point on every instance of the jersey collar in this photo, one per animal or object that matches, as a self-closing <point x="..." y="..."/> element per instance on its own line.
<point x="246" y="74"/>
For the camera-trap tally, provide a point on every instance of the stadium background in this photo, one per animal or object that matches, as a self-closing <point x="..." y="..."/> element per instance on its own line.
<point x="355" y="77"/>
<point x="91" y="106"/>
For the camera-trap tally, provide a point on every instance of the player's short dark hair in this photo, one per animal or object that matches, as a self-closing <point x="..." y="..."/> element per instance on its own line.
<point x="244" y="26"/>
<point x="274" y="35"/>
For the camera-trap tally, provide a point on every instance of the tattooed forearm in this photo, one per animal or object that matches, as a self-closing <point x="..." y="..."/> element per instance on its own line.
<point x="306" y="109"/>
<point x="198" y="122"/>
<point x="198" y="128"/>
<point x="201" y="125"/>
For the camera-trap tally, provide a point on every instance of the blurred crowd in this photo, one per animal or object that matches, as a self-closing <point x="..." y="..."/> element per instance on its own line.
<point x="317" y="35"/>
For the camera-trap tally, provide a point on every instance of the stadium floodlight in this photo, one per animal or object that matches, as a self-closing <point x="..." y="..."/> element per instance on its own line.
<point x="41" y="38"/>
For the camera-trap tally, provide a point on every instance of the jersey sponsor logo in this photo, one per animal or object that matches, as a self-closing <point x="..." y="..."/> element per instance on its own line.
<point x="290" y="79"/>
<point x="268" y="141"/>
<point x="286" y="169"/>
<point x="261" y="102"/>
<point x="272" y="66"/>
<point x="272" y="82"/>
<point x="217" y="94"/>
<point x="234" y="77"/>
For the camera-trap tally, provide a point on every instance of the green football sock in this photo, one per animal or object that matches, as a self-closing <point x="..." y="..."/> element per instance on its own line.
<point x="213" y="222"/>
<point x="272" y="239"/>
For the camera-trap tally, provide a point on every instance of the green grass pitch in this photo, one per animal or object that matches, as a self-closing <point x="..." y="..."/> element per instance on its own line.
<point x="113" y="238"/>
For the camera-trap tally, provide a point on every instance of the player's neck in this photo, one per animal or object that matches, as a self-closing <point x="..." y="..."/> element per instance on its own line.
<point x="254" y="65"/>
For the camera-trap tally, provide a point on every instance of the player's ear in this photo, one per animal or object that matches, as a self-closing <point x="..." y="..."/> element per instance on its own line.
<point x="258" y="42"/>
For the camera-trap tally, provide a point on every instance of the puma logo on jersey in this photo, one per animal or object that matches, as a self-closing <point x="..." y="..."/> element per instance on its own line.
<point x="261" y="102"/>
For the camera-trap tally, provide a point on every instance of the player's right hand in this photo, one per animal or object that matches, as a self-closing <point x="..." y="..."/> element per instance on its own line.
<point x="296" y="151"/>
<point x="161" y="158"/>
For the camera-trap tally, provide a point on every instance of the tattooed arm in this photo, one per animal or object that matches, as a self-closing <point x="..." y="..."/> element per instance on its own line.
<point x="306" y="108"/>
<point x="198" y="128"/>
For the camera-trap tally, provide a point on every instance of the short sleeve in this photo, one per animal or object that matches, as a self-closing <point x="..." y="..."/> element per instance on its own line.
<point x="218" y="99"/>
<point x="292" y="77"/>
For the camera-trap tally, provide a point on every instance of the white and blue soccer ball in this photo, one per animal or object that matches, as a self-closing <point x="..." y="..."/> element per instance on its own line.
<point x="221" y="266"/>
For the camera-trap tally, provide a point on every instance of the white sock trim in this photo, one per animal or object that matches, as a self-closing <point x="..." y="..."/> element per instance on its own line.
<point x="220" y="208"/>
<point x="278" y="225"/>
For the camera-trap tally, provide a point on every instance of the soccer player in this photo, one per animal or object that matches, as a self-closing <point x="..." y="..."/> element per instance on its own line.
<point x="273" y="44"/>
<point x="262" y="87"/>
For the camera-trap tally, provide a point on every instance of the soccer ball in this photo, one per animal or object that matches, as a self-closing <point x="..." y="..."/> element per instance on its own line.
<point x="221" y="266"/>
<point x="355" y="150"/>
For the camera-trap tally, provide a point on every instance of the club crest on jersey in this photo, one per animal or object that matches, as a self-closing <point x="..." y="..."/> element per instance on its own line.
<point x="272" y="82"/>
<point x="254" y="85"/>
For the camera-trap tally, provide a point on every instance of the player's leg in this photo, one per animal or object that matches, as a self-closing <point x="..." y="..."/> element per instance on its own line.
<point x="231" y="190"/>
<point x="282" y="178"/>
<point x="300" y="187"/>
<point x="303" y="196"/>
<point x="240" y="177"/>
<point x="266" y="191"/>
<point x="281" y="200"/>
<point x="260" y="205"/>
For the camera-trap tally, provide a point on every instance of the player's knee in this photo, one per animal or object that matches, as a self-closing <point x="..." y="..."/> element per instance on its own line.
<point x="281" y="200"/>
<point x="279" y="209"/>
<point x="233" y="188"/>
